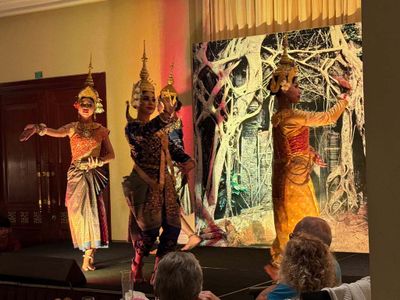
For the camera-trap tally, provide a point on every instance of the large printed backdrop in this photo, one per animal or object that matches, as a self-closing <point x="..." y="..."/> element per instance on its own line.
<point x="233" y="142"/>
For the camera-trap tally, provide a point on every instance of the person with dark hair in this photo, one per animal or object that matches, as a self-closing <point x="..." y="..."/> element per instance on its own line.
<point x="293" y="194"/>
<point x="86" y="179"/>
<point x="150" y="188"/>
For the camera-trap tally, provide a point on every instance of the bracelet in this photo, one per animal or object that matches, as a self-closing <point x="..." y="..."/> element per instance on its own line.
<point x="41" y="129"/>
<point x="100" y="163"/>
<point x="84" y="164"/>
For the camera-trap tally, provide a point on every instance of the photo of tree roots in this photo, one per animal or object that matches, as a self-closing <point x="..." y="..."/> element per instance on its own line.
<point x="233" y="139"/>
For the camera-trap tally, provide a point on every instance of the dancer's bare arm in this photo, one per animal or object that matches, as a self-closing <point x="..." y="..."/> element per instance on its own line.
<point x="42" y="129"/>
<point x="109" y="150"/>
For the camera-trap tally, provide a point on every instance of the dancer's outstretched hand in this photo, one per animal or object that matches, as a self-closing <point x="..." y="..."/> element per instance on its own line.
<point x="29" y="130"/>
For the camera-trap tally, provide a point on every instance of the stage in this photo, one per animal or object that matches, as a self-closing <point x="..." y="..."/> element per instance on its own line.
<point x="229" y="273"/>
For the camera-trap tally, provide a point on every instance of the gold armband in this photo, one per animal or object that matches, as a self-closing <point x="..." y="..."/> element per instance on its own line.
<point x="41" y="129"/>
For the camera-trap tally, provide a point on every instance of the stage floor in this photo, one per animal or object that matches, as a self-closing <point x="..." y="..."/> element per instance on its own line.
<point x="228" y="272"/>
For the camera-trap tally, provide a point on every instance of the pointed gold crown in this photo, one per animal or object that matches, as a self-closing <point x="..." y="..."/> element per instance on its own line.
<point x="144" y="84"/>
<point x="285" y="72"/>
<point x="90" y="92"/>
<point x="169" y="90"/>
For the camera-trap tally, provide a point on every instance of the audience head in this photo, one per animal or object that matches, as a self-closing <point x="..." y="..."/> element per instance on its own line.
<point x="178" y="276"/>
<point x="307" y="264"/>
<point x="316" y="227"/>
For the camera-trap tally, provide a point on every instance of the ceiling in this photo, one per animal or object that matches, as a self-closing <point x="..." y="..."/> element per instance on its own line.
<point x="18" y="7"/>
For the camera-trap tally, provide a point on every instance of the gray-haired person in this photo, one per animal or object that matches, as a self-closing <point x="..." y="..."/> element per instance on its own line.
<point x="179" y="276"/>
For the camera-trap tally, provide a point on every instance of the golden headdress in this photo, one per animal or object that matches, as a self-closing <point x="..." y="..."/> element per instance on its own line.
<point x="169" y="90"/>
<point x="144" y="84"/>
<point x="90" y="92"/>
<point x="285" y="73"/>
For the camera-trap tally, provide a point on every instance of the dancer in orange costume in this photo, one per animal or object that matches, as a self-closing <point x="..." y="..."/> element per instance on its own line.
<point x="293" y="192"/>
<point x="86" y="179"/>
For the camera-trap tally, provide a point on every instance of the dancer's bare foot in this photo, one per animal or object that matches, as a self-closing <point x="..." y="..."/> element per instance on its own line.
<point x="88" y="261"/>
<point x="194" y="241"/>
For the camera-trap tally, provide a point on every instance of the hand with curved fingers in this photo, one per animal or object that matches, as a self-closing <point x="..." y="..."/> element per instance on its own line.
<point x="94" y="162"/>
<point x="167" y="101"/>
<point x="29" y="130"/>
<point x="345" y="87"/>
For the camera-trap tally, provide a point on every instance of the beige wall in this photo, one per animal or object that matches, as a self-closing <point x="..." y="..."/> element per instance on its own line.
<point x="59" y="42"/>
<point x="130" y="24"/>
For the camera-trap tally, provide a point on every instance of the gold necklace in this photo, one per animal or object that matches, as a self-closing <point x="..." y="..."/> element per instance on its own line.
<point x="85" y="129"/>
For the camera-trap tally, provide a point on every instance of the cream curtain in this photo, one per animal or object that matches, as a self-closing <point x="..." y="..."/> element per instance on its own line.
<point x="224" y="19"/>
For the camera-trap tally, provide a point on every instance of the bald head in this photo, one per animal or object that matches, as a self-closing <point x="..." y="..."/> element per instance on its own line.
<point x="316" y="227"/>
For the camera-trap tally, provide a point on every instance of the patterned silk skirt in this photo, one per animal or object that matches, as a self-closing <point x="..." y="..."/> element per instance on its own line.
<point x="293" y="198"/>
<point x="86" y="210"/>
<point x="149" y="209"/>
